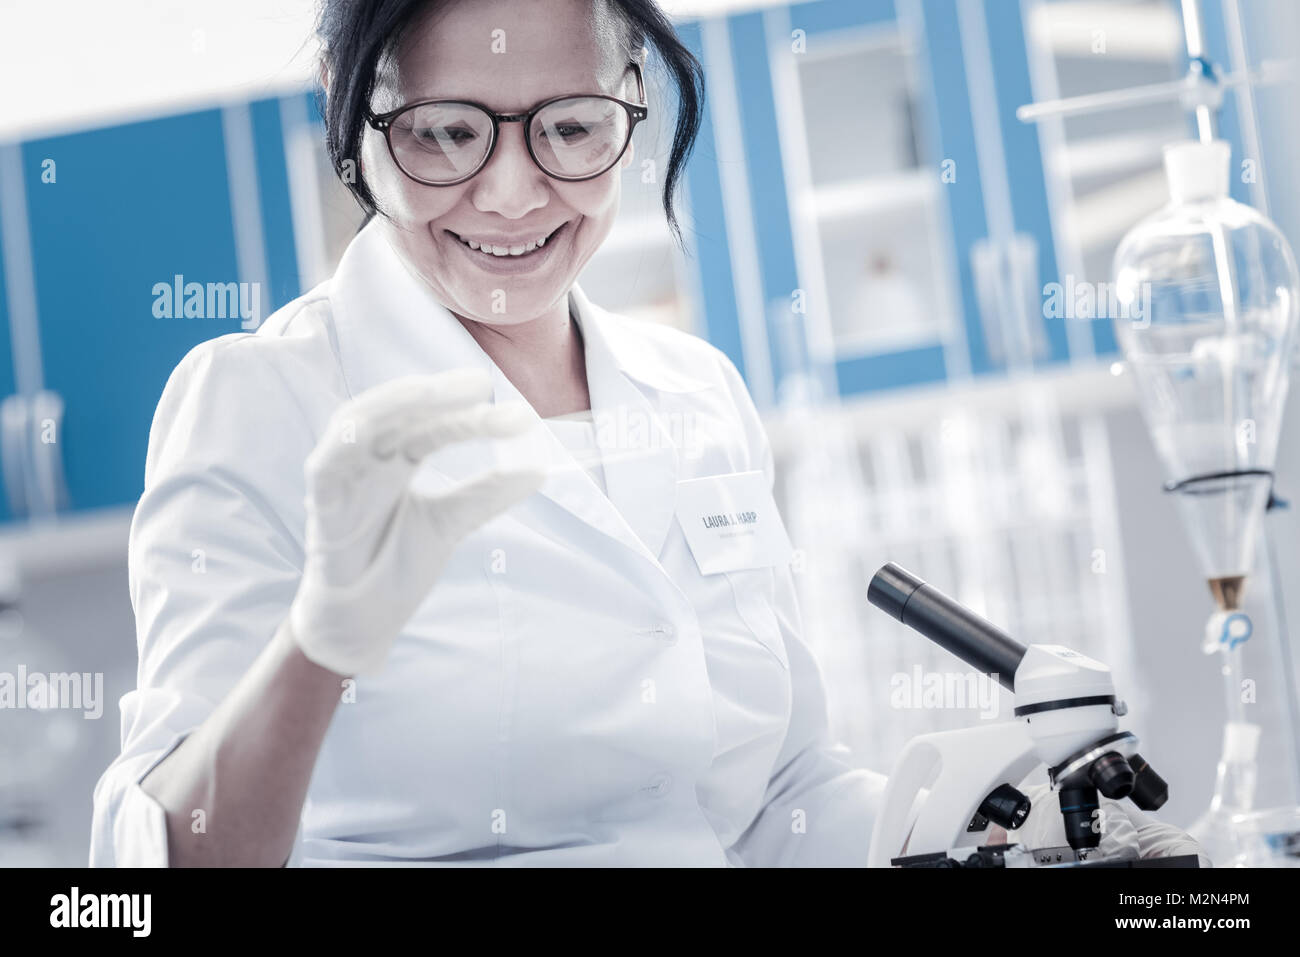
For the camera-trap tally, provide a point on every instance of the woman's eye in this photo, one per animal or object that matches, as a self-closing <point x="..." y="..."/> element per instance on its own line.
<point x="444" y="135"/>
<point x="572" y="132"/>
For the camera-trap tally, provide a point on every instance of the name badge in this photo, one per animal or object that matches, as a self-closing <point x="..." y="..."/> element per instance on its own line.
<point x="731" y="523"/>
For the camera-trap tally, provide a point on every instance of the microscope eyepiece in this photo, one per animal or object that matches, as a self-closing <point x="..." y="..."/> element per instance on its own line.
<point x="959" y="630"/>
<point x="890" y="588"/>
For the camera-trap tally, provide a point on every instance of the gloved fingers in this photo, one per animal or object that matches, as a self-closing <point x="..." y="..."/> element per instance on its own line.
<point x="1119" y="838"/>
<point x="345" y="501"/>
<point x="483" y="421"/>
<point x="389" y="401"/>
<point x="367" y="427"/>
<point x="1158" y="839"/>
<point x="351" y="606"/>
<point x="358" y="470"/>
<point x="456" y="512"/>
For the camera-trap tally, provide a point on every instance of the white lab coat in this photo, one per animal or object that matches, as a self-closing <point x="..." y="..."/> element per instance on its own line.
<point x="572" y="692"/>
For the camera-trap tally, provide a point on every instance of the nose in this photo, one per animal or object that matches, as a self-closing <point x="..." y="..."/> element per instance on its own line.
<point x="510" y="184"/>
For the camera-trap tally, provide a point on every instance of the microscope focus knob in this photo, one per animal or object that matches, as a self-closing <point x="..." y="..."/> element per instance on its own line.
<point x="1006" y="807"/>
<point x="1111" y="775"/>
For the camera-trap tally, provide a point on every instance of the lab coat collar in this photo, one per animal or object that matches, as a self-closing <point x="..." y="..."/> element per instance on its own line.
<point x="388" y="324"/>
<point x="606" y="332"/>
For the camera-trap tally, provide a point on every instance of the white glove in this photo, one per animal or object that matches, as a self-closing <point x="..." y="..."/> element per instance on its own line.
<point x="374" y="545"/>
<point x="1126" y="832"/>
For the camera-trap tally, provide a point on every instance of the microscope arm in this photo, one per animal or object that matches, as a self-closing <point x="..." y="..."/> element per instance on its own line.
<point x="965" y="766"/>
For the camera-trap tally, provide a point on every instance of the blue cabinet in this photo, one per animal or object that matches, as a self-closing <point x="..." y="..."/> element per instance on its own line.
<point x="840" y="153"/>
<point x="120" y="220"/>
<point x="131" y="209"/>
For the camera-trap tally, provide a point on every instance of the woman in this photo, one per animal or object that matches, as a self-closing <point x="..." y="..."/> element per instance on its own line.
<point x="385" y="613"/>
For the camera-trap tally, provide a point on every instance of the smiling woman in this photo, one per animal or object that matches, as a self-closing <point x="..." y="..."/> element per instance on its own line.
<point x="425" y="570"/>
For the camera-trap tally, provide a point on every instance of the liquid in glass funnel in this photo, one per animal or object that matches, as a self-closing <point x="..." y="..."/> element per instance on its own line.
<point x="1222" y="515"/>
<point x="1212" y="292"/>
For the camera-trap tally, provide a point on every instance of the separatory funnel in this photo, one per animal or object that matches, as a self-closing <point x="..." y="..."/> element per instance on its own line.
<point x="1209" y="288"/>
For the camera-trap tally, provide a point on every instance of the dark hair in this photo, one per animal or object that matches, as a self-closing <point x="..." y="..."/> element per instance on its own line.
<point x="357" y="36"/>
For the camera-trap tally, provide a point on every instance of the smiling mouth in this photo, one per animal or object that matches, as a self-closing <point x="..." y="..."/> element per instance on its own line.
<point x="507" y="252"/>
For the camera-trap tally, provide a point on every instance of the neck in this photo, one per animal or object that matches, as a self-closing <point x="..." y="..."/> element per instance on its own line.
<point x="543" y="358"/>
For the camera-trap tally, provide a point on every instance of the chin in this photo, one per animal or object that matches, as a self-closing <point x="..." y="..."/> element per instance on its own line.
<point x="495" y="290"/>
<point x="499" y="300"/>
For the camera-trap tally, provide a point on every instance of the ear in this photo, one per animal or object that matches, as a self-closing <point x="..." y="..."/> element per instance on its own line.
<point x="325" y="77"/>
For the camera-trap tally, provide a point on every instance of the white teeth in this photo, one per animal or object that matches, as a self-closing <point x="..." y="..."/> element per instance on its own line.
<point x="505" y="250"/>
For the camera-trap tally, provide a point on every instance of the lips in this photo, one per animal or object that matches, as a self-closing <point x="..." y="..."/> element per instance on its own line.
<point x="501" y="247"/>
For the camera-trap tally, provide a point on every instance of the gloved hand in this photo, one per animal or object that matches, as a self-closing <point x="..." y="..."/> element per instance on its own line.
<point x="1126" y="832"/>
<point x="374" y="545"/>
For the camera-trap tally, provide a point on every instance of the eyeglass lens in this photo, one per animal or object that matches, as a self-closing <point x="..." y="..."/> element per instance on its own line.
<point x="571" y="138"/>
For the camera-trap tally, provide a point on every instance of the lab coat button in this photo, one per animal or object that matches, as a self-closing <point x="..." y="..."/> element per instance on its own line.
<point x="663" y="631"/>
<point x="658" y="786"/>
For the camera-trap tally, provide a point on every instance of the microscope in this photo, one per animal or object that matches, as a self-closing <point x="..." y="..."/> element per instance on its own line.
<point x="1066" y="716"/>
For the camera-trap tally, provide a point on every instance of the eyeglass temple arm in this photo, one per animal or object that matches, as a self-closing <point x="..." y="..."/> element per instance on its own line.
<point x="640" y="85"/>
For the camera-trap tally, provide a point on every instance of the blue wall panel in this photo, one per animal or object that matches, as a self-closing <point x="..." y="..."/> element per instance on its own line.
<point x="831" y="16"/>
<point x="1024" y="159"/>
<point x="770" y="209"/>
<point x="956" y="133"/>
<point x="893" y="370"/>
<point x="704" y="230"/>
<point x="277" y="214"/>
<point x="7" y="383"/>
<point x="133" y="206"/>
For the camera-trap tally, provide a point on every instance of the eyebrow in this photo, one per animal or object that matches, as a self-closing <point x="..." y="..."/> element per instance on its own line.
<point x="582" y="89"/>
<point x="524" y="108"/>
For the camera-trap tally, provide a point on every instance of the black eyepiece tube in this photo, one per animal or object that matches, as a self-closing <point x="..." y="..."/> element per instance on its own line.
<point x="950" y="626"/>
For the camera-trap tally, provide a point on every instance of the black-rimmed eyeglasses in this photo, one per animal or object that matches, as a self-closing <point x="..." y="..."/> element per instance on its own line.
<point x="573" y="138"/>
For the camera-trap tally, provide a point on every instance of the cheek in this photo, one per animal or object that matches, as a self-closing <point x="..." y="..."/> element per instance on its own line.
<point x="406" y="202"/>
<point x="596" y="201"/>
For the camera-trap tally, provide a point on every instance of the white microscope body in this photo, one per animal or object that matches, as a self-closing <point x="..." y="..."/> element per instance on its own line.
<point x="1066" y="718"/>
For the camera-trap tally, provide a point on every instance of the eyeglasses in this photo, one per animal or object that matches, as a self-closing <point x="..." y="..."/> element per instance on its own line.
<point x="571" y="138"/>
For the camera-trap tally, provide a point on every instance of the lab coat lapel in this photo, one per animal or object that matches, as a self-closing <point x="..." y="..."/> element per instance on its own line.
<point x="640" y="459"/>
<point x="389" y="324"/>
